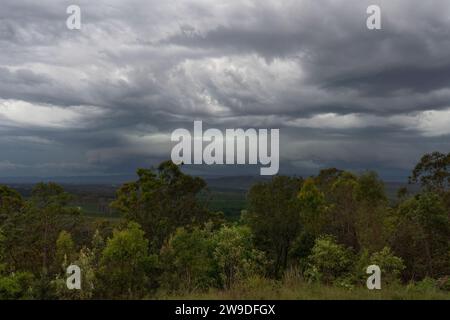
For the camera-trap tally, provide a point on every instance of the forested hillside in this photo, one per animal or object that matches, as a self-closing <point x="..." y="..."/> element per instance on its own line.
<point x="299" y="238"/>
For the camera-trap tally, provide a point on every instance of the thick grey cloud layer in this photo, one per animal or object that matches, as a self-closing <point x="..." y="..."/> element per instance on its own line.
<point x="105" y="99"/>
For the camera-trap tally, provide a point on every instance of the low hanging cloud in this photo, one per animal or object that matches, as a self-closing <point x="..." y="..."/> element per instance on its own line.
<point x="18" y="113"/>
<point x="104" y="99"/>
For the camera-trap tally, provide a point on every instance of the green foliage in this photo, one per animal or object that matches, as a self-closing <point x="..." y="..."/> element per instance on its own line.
<point x="162" y="201"/>
<point x="313" y="208"/>
<point x="97" y="246"/>
<point x="31" y="234"/>
<point x="422" y="237"/>
<point x="65" y="249"/>
<point x="390" y="265"/>
<point x="371" y="212"/>
<point x="269" y="289"/>
<point x="85" y="261"/>
<point x="301" y="248"/>
<point x="344" y="208"/>
<point x="329" y="260"/>
<point x="359" y="275"/>
<point x="16" y="286"/>
<point x="11" y="202"/>
<point x="274" y="218"/>
<point x="425" y="286"/>
<point x="88" y="259"/>
<point x="326" y="229"/>
<point x="124" y="262"/>
<point x="235" y="255"/>
<point x="444" y="283"/>
<point x="187" y="261"/>
<point x="202" y="258"/>
<point x="433" y="172"/>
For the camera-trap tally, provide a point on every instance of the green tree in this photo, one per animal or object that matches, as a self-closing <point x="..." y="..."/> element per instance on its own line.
<point x="11" y="203"/>
<point x="274" y="218"/>
<point x="343" y="209"/>
<point x="325" y="181"/>
<point x="88" y="259"/>
<point x="30" y="235"/>
<point x="49" y="213"/>
<point x="371" y="213"/>
<point x="357" y="209"/>
<point x="65" y="249"/>
<point x="124" y="264"/>
<point x="85" y="261"/>
<point x="433" y="172"/>
<point x="391" y="266"/>
<point x="422" y="236"/>
<point x="313" y="207"/>
<point x="162" y="201"/>
<point x="329" y="260"/>
<point x="235" y="255"/>
<point x="314" y="218"/>
<point x="15" y="286"/>
<point x="187" y="261"/>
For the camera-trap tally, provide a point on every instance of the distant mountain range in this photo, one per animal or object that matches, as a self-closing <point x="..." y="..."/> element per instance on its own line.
<point x="224" y="183"/>
<point x="79" y="180"/>
<point x="110" y="183"/>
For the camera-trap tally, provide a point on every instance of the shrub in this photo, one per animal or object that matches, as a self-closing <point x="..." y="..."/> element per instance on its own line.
<point x="328" y="260"/>
<point x="423" y="286"/>
<point x="235" y="255"/>
<point x="390" y="265"/>
<point x="16" y="286"/>
<point x="124" y="264"/>
<point x="187" y="261"/>
<point x="444" y="283"/>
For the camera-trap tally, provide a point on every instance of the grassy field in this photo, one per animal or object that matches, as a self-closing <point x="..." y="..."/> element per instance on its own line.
<point x="231" y="203"/>
<point x="263" y="289"/>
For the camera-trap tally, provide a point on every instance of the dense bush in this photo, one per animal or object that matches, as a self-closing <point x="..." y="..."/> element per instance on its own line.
<point x="202" y="258"/>
<point x="329" y="260"/>
<point x="235" y="255"/>
<point x="16" y="286"/>
<point x="187" y="261"/>
<point x="124" y="264"/>
<point x="390" y="265"/>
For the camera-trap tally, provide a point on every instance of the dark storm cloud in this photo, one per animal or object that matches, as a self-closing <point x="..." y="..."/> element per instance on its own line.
<point x="414" y="78"/>
<point x="105" y="99"/>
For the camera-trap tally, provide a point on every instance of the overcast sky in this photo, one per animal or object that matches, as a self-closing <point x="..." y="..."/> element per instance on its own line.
<point x="105" y="99"/>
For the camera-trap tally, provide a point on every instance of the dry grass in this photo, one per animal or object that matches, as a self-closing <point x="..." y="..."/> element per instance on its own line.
<point x="292" y="287"/>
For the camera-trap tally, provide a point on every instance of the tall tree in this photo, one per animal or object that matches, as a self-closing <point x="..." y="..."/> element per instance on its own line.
<point x="372" y="210"/>
<point x="274" y="217"/>
<point x="235" y="255"/>
<point x="433" y="172"/>
<point x="162" y="201"/>
<point x="11" y="202"/>
<point x="187" y="261"/>
<point x="313" y="208"/>
<point x="124" y="264"/>
<point x="343" y="209"/>
<point x="422" y="236"/>
<point x="30" y="235"/>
